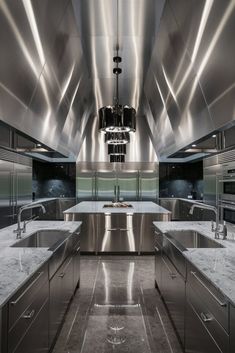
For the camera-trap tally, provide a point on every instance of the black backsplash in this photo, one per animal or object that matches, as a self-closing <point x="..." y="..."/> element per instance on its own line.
<point x="181" y="180"/>
<point x="54" y="179"/>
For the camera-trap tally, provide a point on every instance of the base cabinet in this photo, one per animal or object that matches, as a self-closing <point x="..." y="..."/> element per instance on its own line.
<point x="61" y="291"/>
<point x="197" y="338"/>
<point x="36" y="338"/>
<point x="173" y="292"/>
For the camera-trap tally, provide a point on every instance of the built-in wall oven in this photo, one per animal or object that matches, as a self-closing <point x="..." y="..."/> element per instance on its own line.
<point x="228" y="193"/>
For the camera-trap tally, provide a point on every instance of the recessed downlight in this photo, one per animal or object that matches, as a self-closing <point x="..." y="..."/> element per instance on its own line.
<point x="214" y="136"/>
<point x="194" y="145"/>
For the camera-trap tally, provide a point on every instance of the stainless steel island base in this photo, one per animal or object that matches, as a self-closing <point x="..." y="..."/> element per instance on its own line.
<point x="114" y="232"/>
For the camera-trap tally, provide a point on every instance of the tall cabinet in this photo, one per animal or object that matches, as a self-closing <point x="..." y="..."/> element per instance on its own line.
<point x="15" y="186"/>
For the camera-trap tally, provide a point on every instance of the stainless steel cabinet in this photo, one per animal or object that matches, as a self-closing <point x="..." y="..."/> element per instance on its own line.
<point x="26" y="313"/>
<point x="158" y="259"/>
<point x="118" y="233"/>
<point x="197" y="338"/>
<point x="232" y="329"/>
<point x="173" y="292"/>
<point x="61" y="291"/>
<point x="36" y="338"/>
<point x="15" y="190"/>
<point x="206" y="315"/>
<point x="76" y="266"/>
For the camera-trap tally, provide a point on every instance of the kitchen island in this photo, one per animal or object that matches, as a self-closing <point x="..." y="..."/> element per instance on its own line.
<point x="117" y="228"/>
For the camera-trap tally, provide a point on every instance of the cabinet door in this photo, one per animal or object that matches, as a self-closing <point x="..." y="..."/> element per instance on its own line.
<point x="76" y="266"/>
<point x="61" y="291"/>
<point x="197" y="338"/>
<point x="158" y="266"/>
<point x="128" y="186"/>
<point x="105" y="184"/>
<point x="36" y="338"/>
<point x="173" y="292"/>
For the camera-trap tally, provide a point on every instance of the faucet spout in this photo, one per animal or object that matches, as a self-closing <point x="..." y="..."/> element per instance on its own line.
<point x="212" y="208"/>
<point x="22" y="208"/>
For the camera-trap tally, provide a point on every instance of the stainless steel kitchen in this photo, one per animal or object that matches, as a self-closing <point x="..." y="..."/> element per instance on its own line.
<point x="117" y="176"/>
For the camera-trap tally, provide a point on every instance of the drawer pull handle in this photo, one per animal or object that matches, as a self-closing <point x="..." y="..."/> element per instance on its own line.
<point x="206" y="317"/>
<point x="211" y="293"/>
<point x="25" y="291"/>
<point x="61" y="275"/>
<point x="173" y="275"/>
<point x="28" y="315"/>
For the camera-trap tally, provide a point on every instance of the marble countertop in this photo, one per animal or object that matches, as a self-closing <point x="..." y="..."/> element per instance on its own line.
<point x="217" y="264"/>
<point x="17" y="265"/>
<point x="97" y="207"/>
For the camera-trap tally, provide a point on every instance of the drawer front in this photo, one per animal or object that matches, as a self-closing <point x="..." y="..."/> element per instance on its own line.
<point x="36" y="338"/>
<point x="158" y="239"/>
<point x="173" y="292"/>
<point x="22" y="300"/>
<point x="214" y="300"/>
<point x="175" y="256"/>
<point x="208" y="319"/>
<point x="197" y="338"/>
<point x="24" y="322"/>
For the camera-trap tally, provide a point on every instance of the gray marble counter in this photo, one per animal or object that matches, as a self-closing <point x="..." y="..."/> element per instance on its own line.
<point x="217" y="264"/>
<point x="17" y="265"/>
<point x="98" y="207"/>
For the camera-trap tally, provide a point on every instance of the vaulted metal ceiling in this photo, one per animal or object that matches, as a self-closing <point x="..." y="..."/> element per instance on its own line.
<point x="178" y="71"/>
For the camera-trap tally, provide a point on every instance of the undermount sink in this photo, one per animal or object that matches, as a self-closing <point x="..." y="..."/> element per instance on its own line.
<point x="118" y="205"/>
<point x="49" y="238"/>
<point x="193" y="239"/>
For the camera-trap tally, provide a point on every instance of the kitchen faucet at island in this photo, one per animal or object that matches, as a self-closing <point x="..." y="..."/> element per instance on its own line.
<point x="22" y="208"/>
<point x="216" y="211"/>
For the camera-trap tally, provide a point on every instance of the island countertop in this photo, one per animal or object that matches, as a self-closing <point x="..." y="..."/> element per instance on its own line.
<point x="98" y="207"/>
<point x="17" y="265"/>
<point x="217" y="264"/>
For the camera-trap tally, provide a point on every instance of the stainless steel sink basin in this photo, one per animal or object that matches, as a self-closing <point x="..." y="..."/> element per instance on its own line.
<point x="118" y="205"/>
<point x="47" y="238"/>
<point x="193" y="239"/>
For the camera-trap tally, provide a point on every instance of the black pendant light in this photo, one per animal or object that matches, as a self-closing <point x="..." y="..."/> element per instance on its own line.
<point x="116" y="149"/>
<point x="117" y="118"/>
<point x="117" y="158"/>
<point x="114" y="138"/>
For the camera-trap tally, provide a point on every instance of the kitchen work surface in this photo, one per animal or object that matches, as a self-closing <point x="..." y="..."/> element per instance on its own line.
<point x="117" y="309"/>
<point x="216" y="264"/>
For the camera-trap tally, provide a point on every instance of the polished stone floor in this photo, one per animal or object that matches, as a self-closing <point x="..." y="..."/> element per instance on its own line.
<point x="117" y="309"/>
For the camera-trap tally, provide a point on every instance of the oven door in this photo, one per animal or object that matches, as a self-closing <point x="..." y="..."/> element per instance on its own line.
<point x="229" y="215"/>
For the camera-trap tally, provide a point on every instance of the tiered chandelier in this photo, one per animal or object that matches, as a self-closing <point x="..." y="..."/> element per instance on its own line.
<point x="117" y="121"/>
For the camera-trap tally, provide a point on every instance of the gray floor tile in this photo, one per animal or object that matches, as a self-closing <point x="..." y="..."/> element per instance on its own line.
<point x="117" y="309"/>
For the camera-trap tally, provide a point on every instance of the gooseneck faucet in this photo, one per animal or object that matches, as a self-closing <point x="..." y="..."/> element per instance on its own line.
<point x="216" y="211"/>
<point x="23" y="208"/>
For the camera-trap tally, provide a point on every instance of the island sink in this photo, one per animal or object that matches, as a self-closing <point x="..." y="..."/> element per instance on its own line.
<point x="118" y="205"/>
<point x="43" y="239"/>
<point x="193" y="239"/>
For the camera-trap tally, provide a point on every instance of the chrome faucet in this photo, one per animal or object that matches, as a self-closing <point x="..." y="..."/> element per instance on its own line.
<point x="23" y="208"/>
<point x="216" y="211"/>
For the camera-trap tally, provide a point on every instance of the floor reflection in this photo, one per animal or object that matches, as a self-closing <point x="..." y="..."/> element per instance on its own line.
<point x="117" y="309"/>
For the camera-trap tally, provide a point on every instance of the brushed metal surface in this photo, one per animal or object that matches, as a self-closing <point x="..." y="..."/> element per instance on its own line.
<point x="43" y="239"/>
<point x="197" y="338"/>
<point x="173" y="292"/>
<point x="193" y="239"/>
<point x="232" y="325"/>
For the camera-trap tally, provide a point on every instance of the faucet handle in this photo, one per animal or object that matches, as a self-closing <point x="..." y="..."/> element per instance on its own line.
<point x="212" y="226"/>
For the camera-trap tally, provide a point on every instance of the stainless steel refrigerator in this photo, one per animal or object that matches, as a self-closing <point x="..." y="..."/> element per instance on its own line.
<point x="15" y="190"/>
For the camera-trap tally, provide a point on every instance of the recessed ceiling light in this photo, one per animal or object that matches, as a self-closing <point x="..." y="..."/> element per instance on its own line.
<point x="213" y="136"/>
<point x="38" y="145"/>
<point x="194" y="145"/>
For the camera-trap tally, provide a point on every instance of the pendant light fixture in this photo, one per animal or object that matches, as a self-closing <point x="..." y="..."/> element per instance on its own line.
<point x="117" y="120"/>
<point x="114" y="138"/>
